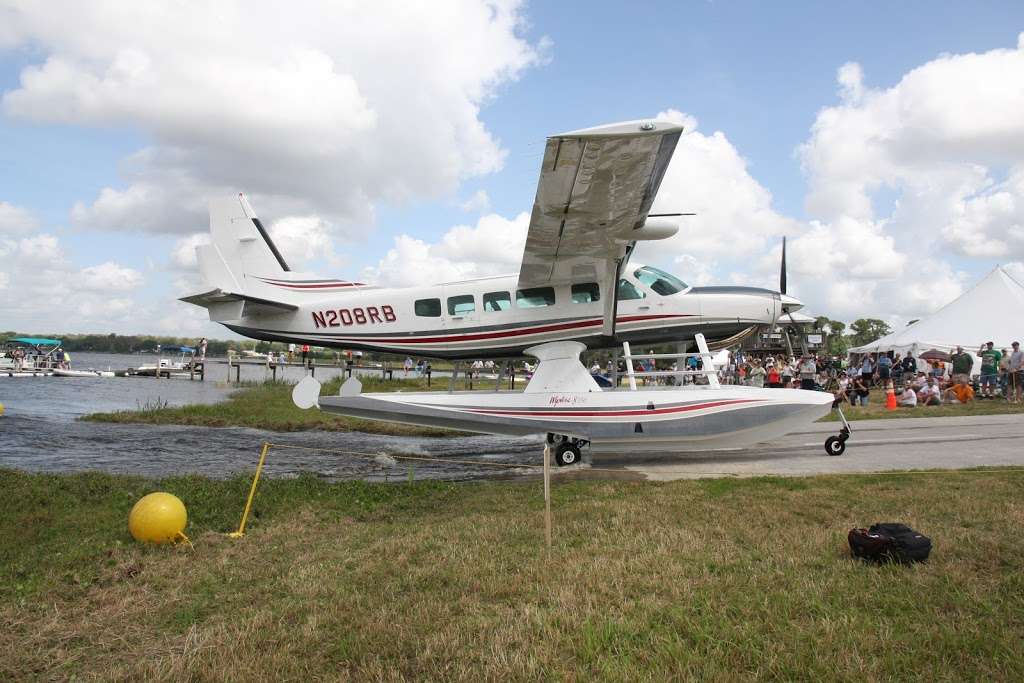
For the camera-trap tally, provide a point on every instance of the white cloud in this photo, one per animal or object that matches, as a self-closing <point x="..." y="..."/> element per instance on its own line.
<point x="323" y="109"/>
<point x="494" y="246"/>
<point x="945" y="147"/>
<point x="940" y="138"/>
<point x="46" y="292"/>
<point x="709" y="177"/>
<point x="15" y="220"/>
<point x="302" y="239"/>
<point x="478" y="203"/>
<point x="183" y="253"/>
<point x="108" y="277"/>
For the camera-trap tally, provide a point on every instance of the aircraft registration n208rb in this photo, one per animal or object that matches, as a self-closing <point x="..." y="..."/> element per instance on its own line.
<point x="575" y="282"/>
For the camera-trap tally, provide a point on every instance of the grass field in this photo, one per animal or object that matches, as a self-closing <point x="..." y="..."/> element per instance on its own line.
<point x="710" y="580"/>
<point x="268" y="405"/>
<point x="877" y="411"/>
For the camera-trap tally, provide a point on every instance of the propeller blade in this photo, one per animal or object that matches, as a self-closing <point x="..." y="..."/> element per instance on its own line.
<point x="782" y="270"/>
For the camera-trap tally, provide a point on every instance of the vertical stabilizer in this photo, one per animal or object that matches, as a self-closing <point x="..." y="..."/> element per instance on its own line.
<point x="240" y="246"/>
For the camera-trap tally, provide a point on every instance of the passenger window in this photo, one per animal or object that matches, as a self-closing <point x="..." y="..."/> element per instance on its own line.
<point x="535" y="297"/>
<point x="628" y="291"/>
<point x="428" y="308"/>
<point x="586" y="293"/>
<point x="497" y="301"/>
<point x="461" y="305"/>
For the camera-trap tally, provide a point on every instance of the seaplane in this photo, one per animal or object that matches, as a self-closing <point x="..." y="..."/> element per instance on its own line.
<point x="576" y="290"/>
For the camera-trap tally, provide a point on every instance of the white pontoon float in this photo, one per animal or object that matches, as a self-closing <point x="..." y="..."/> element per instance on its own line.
<point x="564" y="402"/>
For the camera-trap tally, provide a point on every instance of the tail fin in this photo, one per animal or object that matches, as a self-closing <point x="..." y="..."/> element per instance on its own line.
<point x="240" y="245"/>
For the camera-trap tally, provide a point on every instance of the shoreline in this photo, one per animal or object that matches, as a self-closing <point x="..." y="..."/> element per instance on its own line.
<point x="267" y="405"/>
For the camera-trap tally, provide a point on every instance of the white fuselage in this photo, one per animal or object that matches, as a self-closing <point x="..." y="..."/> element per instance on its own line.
<point x="490" y="317"/>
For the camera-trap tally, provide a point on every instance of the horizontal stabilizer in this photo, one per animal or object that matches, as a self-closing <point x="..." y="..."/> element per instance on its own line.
<point x="230" y="306"/>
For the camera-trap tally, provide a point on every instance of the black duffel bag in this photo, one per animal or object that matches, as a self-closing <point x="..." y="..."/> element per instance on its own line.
<point x="889" y="542"/>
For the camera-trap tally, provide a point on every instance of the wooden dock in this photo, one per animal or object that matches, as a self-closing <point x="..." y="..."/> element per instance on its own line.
<point x="197" y="370"/>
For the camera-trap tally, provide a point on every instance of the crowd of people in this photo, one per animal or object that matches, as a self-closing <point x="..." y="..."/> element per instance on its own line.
<point x="806" y="372"/>
<point x="936" y="380"/>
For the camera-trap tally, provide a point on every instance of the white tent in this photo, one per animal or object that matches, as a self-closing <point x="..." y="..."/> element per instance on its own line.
<point x="992" y="310"/>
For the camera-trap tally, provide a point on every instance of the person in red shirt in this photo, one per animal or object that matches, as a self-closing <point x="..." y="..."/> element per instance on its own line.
<point x="774" y="378"/>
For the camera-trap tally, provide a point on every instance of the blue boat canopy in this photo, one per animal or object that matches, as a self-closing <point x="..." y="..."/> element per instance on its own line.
<point x="35" y="341"/>
<point x="178" y="349"/>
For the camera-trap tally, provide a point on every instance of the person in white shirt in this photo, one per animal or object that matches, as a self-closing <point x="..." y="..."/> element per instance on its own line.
<point x="930" y="394"/>
<point x="908" y="398"/>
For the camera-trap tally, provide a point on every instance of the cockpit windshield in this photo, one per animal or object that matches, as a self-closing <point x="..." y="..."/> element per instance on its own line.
<point x="659" y="281"/>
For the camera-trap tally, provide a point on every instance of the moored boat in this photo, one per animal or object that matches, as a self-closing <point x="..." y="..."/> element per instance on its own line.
<point x="30" y="357"/>
<point x="61" y="372"/>
<point x="166" y="367"/>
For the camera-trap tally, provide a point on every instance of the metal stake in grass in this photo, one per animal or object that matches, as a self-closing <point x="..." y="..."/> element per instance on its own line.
<point x="252" y="493"/>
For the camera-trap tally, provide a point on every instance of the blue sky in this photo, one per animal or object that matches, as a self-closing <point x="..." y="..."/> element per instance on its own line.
<point x="759" y="73"/>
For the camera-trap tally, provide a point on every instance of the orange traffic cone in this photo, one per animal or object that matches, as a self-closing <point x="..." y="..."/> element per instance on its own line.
<point x="890" y="396"/>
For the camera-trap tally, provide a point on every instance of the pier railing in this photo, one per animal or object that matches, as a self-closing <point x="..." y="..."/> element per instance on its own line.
<point x="703" y="353"/>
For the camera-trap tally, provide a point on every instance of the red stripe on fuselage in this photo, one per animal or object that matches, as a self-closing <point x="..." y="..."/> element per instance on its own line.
<point x="507" y="333"/>
<point x="616" y="413"/>
<point x="337" y="285"/>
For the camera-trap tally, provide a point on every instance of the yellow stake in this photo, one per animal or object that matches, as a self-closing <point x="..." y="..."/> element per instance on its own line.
<point x="547" y="497"/>
<point x="252" y="493"/>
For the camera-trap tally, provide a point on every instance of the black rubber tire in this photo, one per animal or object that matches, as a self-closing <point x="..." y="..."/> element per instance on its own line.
<point x="835" y="445"/>
<point x="567" y="454"/>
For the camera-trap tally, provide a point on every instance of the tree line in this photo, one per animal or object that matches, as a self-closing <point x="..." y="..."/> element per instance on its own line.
<point x="861" y="331"/>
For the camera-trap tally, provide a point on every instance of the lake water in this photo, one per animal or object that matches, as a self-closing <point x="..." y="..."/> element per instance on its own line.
<point x="39" y="432"/>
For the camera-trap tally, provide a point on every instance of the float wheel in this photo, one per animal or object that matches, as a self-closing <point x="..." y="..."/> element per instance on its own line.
<point x="835" y="445"/>
<point x="567" y="454"/>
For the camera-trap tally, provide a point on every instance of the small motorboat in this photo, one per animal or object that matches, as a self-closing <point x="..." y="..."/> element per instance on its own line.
<point x="60" y="372"/>
<point x="564" y="402"/>
<point x="165" y="367"/>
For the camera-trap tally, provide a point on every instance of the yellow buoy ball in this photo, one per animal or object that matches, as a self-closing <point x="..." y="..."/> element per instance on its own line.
<point x="158" y="518"/>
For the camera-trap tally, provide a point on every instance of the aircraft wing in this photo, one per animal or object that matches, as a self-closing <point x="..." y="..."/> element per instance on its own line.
<point x="596" y="188"/>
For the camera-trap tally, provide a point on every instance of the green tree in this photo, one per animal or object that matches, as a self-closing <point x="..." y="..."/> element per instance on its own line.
<point x="837" y="344"/>
<point x="866" y="330"/>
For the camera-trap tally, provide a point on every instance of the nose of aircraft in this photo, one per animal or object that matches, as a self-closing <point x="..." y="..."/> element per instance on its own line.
<point x="790" y="304"/>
